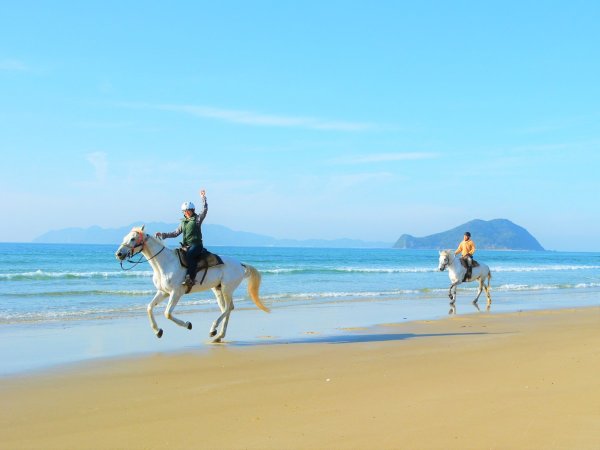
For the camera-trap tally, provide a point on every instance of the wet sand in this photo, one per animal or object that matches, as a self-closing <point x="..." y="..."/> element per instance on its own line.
<point x="517" y="380"/>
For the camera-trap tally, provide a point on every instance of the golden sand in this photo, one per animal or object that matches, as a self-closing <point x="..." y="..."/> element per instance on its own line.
<point x="484" y="381"/>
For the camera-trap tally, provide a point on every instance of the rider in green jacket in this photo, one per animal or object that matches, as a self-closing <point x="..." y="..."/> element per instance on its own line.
<point x="190" y="226"/>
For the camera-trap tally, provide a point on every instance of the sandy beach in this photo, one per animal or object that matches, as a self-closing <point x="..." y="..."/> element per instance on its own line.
<point x="518" y="380"/>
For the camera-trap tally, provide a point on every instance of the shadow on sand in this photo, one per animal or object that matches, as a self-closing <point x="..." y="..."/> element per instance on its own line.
<point x="346" y="339"/>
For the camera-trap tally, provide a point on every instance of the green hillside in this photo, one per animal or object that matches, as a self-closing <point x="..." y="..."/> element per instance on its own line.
<point x="497" y="234"/>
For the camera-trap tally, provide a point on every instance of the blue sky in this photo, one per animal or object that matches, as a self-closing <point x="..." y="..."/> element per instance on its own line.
<point x="302" y="120"/>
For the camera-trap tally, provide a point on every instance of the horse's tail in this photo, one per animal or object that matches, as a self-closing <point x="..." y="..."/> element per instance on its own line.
<point x="254" y="286"/>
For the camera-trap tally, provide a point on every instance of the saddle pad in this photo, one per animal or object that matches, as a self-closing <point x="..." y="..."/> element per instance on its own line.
<point x="206" y="260"/>
<point x="464" y="263"/>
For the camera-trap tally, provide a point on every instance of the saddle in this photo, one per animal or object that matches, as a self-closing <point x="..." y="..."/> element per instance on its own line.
<point x="205" y="261"/>
<point x="463" y="262"/>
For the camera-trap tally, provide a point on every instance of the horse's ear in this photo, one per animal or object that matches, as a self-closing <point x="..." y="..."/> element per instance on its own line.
<point x="142" y="227"/>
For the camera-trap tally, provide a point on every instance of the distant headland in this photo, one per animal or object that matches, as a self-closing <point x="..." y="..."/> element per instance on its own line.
<point x="214" y="235"/>
<point x="497" y="234"/>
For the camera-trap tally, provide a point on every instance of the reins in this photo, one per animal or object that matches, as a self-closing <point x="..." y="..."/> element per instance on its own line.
<point x="142" y="257"/>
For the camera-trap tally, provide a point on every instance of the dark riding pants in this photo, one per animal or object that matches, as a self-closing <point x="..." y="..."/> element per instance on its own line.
<point x="192" y="256"/>
<point x="469" y="260"/>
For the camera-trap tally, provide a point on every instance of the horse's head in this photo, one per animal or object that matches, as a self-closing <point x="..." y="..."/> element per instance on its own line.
<point x="446" y="257"/>
<point x="132" y="243"/>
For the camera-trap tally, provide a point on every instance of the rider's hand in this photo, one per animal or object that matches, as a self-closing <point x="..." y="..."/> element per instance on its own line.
<point x="202" y="193"/>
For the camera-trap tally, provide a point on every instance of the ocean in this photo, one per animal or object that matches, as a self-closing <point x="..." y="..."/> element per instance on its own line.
<point x="56" y="291"/>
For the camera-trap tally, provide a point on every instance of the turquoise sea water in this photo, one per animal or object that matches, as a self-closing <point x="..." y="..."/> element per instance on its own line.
<point x="62" y="292"/>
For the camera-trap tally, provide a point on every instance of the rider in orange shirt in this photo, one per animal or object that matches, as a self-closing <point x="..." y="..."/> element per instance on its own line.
<point x="466" y="248"/>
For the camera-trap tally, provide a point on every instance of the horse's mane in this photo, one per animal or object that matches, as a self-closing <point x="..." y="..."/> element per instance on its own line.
<point x="447" y="251"/>
<point x="141" y="231"/>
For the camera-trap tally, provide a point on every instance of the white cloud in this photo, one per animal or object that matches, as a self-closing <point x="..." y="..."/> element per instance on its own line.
<point x="387" y="157"/>
<point x="359" y="178"/>
<point x="254" y="118"/>
<point x="100" y="163"/>
<point x="586" y="146"/>
<point x="259" y="119"/>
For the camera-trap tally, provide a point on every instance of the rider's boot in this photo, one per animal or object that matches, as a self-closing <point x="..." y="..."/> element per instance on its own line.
<point x="467" y="275"/>
<point x="188" y="283"/>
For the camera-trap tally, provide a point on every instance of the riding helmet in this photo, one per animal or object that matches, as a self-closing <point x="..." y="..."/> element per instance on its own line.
<point x="187" y="205"/>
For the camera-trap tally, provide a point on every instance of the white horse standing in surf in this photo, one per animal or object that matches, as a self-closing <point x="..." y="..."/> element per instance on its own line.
<point x="456" y="272"/>
<point x="169" y="274"/>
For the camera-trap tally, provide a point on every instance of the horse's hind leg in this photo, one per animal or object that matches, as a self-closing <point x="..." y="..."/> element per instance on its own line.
<point x="173" y="300"/>
<point x="227" y="297"/>
<point x="479" y="291"/>
<point x="229" y="308"/>
<point x="221" y="302"/>
<point x="158" y="297"/>
<point x="488" y="287"/>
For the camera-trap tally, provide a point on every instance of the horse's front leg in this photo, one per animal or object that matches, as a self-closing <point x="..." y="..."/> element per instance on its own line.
<point x="452" y="291"/>
<point x="173" y="299"/>
<point x="452" y="295"/>
<point x="158" y="297"/>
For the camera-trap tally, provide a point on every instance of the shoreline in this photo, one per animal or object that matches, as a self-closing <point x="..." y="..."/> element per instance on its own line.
<point x="37" y="347"/>
<point x="504" y="380"/>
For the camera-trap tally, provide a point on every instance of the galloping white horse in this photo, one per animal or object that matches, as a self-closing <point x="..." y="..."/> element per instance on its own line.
<point x="169" y="274"/>
<point x="456" y="272"/>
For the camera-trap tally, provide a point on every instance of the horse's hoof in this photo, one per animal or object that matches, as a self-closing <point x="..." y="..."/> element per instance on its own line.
<point x="217" y="341"/>
<point x="159" y="334"/>
<point x="189" y="325"/>
<point x="213" y="333"/>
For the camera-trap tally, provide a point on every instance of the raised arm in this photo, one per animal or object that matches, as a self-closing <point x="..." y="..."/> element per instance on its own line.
<point x="204" y="211"/>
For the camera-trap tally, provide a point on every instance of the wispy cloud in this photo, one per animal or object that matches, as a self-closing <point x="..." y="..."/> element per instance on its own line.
<point x="590" y="145"/>
<point x="254" y="118"/>
<point x="13" y="65"/>
<point x="259" y="119"/>
<point x="359" y="178"/>
<point x="387" y="157"/>
<point x="107" y="125"/>
<point x="100" y="163"/>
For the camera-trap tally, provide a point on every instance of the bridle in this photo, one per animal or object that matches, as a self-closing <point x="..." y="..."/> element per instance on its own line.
<point x="139" y="242"/>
